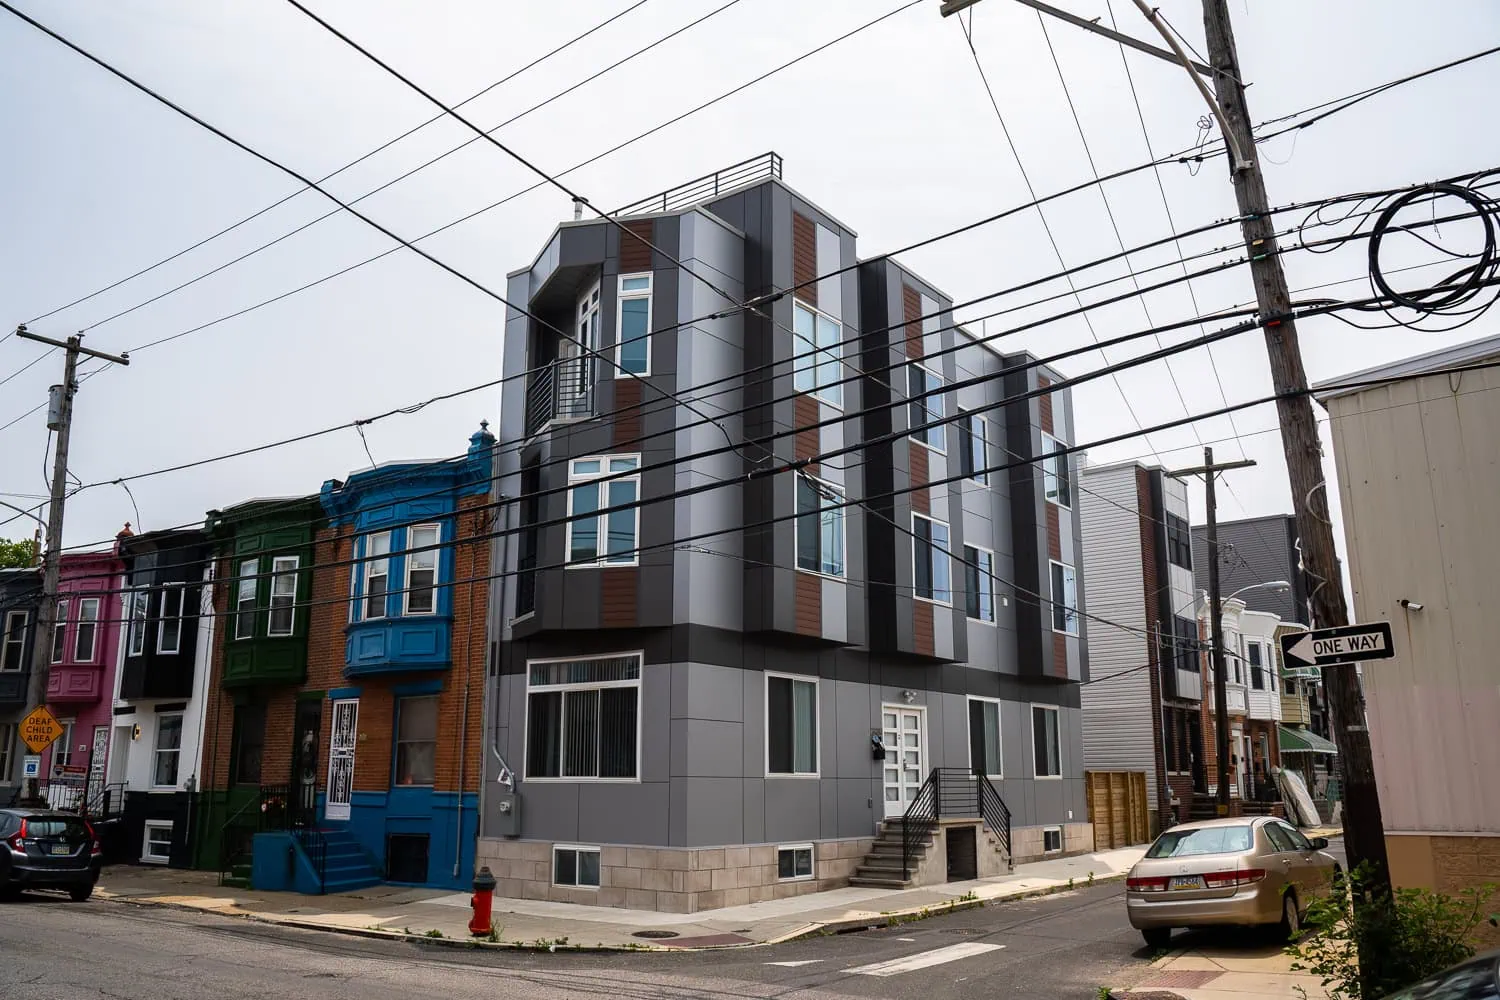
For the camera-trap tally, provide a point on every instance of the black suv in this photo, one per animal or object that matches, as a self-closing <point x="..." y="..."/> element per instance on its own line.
<point x="47" y="850"/>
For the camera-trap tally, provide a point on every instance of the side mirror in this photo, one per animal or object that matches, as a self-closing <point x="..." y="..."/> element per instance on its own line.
<point x="1319" y="843"/>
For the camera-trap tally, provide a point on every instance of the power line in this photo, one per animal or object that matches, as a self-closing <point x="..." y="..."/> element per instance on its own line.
<point x="352" y="163"/>
<point x="367" y="220"/>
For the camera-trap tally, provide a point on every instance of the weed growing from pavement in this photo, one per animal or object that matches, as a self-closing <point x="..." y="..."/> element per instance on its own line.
<point x="1091" y="880"/>
<point x="1070" y="885"/>
<point x="494" y="935"/>
<point x="434" y="933"/>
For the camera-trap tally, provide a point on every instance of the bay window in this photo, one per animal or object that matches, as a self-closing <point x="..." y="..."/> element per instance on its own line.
<point x="283" y="595"/>
<point x="377" y="573"/>
<point x="820" y="527"/>
<point x="979" y="584"/>
<point x="924" y="389"/>
<point x="817" y="353"/>
<point x="633" y="327"/>
<point x="86" y="630"/>
<point x="421" y="569"/>
<point x="244" y="600"/>
<point x="1064" y="599"/>
<point x="931" y="569"/>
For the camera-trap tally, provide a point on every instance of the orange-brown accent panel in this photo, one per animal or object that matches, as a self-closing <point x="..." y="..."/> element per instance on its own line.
<point x="627" y="419"/>
<point x="619" y="589"/>
<point x="805" y="258"/>
<point x="1044" y="405"/>
<point x="808" y="439"/>
<point x="809" y="604"/>
<point x="1059" y="655"/>
<point x="921" y="630"/>
<point x="635" y="247"/>
<point x="911" y="315"/>
<point x="921" y="499"/>
<point x="1054" y="533"/>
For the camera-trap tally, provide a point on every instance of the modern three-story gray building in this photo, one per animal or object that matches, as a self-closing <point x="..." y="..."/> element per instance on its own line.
<point x="769" y="576"/>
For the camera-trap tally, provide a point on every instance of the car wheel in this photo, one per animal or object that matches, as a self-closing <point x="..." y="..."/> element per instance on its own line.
<point x="1291" y="920"/>
<point x="1157" y="937"/>
<point x="80" y="893"/>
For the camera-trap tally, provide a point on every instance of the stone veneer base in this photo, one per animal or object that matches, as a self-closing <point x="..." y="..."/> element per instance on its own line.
<point x="671" y="880"/>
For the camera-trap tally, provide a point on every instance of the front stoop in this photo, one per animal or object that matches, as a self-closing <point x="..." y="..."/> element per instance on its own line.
<point x="882" y="867"/>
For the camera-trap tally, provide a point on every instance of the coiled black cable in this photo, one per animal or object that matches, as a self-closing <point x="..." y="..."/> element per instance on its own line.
<point x="1459" y="288"/>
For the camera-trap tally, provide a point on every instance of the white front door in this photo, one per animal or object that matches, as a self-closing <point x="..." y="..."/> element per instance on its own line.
<point x="119" y="755"/>
<point x="341" y="742"/>
<point x="902" y="733"/>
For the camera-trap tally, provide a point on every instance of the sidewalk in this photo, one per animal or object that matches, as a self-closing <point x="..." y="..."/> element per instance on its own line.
<point x="396" y="911"/>
<point x="1225" y="971"/>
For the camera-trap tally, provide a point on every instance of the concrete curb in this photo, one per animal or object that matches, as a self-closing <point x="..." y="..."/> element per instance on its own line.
<point x="814" y="929"/>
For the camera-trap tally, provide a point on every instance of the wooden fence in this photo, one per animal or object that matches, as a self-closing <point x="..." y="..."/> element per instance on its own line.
<point x="1117" y="808"/>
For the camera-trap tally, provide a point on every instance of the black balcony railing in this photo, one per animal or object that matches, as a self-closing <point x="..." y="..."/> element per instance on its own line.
<point x="758" y="168"/>
<point x="561" y="391"/>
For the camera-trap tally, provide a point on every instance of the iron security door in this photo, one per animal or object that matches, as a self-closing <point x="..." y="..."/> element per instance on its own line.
<point x="341" y="741"/>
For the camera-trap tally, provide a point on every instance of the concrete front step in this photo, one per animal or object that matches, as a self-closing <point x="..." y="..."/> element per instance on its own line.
<point x="879" y="883"/>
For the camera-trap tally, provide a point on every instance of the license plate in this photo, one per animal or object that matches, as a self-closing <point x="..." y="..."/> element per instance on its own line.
<point x="62" y="850"/>
<point x="1186" y="882"/>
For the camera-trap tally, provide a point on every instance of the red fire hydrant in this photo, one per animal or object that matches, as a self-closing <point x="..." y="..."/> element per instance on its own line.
<point x="484" y="896"/>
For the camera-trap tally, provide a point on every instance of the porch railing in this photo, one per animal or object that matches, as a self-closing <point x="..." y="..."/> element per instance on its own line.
<point x="762" y="167"/>
<point x="958" y="793"/>
<point x="561" y="391"/>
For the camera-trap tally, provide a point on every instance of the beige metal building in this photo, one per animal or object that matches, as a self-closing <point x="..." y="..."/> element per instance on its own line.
<point x="1419" y="475"/>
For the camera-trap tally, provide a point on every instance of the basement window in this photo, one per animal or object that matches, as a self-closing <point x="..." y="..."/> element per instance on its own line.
<point x="1052" y="840"/>
<point x="157" y="849"/>
<point x="575" y="866"/>
<point x="794" y="862"/>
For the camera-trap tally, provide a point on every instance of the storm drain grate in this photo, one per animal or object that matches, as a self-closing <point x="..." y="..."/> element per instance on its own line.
<point x="655" y="934"/>
<point x="965" y="931"/>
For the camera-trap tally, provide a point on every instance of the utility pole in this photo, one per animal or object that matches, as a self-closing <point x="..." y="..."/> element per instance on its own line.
<point x="1364" y="833"/>
<point x="1210" y="472"/>
<point x="60" y="419"/>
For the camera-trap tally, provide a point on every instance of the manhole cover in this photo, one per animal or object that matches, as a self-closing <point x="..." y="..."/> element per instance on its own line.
<point x="654" y="934"/>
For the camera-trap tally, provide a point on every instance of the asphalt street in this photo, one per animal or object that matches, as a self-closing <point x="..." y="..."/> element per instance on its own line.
<point x="1065" y="945"/>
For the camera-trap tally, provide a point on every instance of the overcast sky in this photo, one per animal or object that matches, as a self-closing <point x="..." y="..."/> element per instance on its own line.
<point x="890" y="131"/>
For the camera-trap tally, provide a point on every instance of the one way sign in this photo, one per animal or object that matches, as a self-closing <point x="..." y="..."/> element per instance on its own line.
<point x="1327" y="646"/>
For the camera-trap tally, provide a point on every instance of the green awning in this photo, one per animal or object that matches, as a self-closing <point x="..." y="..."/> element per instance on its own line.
<point x="1304" y="741"/>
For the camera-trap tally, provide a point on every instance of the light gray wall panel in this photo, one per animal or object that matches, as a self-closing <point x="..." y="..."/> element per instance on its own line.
<point x="656" y="699"/>
<point x="715" y="811"/>
<point x="753" y="795"/>
<point x="793" y="809"/>
<point x="835" y="601"/>
<point x="830" y="297"/>
<point x="706" y="749"/>
<point x="713" y="692"/>
<point x="619" y="814"/>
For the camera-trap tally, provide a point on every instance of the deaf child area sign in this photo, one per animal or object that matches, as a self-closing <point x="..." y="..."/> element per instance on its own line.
<point x="40" y="729"/>
<point x="1345" y="644"/>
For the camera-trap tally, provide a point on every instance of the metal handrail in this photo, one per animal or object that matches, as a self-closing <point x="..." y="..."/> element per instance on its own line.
<point x="995" y="813"/>
<point x="314" y="844"/>
<point x="225" y="864"/>
<point x="766" y="165"/>
<point x="560" y="390"/>
<point x="919" y="821"/>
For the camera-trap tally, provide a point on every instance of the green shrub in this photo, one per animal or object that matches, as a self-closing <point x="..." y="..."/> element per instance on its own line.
<point x="1363" y="946"/>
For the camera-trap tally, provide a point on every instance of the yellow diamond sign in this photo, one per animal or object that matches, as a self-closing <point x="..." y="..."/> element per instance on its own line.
<point x="40" y="729"/>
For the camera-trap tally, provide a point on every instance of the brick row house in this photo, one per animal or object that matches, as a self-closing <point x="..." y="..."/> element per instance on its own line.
<point x="349" y="680"/>
<point x="20" y="591"/>
<point x="714" y="699"/>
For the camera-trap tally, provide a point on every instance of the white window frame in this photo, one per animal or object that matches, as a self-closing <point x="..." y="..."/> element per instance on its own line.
<point x="968" y="423"/>
<point x="810" y="357"/>
<point x="1054" y="600"/>
<point x="838" y="512"/>
<point x="14" y="637"/>
<point x="369" y="574"/>
<point x="1056" y="711"/>
<point x="640" y="716"/>
<point x="162" y="618"/>
<point x="59" y="649"/>
<point x="947" y="553"/>
<point x="1061" y="842"/>
<point x="577" y="849"/>
<point x="621" y="297"/>
<point x="934" y="407"/>
<point x="281" y="568"/>
<point x="999" y="732"/>
<point x="436" y="554"/>
<point x="1251" y="667"/>
<point x="242" y="616"/>
<point x="157" y="825"/>
<point x="62" y="748"/>
<point x="7" y="745"/>
<point x="817" y="771"/>
<point x="1050" y="477"/>
<point x="812" y="863"/>
<point x="601" y="515"/>
<point x="139" y="611"/>
<point x="994" y="617"/>
<point x="91" y="619"/>
<point x="157" y="751"/>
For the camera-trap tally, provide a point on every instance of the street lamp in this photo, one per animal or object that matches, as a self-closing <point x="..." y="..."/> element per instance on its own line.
<point x="1279" y="586"/>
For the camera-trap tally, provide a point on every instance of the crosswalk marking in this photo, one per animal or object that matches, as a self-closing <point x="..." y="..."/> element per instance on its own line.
<point x="793" y="965"/>
<point x="926" y="959"/>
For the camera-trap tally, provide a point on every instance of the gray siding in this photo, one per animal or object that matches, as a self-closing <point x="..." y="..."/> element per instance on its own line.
<point x="1119" y="732"/>
<point x="1257" y="550"/>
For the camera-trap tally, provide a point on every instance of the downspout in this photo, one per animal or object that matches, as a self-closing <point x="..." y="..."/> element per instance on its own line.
<point x="202" y="653"/>
<point x="505" y="776"/>
<point x="463" y="725"/>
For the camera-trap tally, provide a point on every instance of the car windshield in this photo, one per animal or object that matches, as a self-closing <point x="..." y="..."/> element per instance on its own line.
<point x="1204" y="840"/>
<point x="1475" y="980"/>
<point x="59" y="827"/>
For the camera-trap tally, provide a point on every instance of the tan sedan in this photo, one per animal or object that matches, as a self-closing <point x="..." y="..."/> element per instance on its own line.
<point x="1249" y="871"/>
